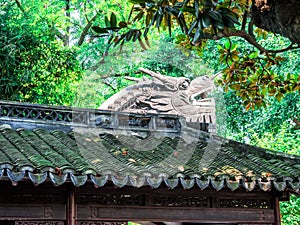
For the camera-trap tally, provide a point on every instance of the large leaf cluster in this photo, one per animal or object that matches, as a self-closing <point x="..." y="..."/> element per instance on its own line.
<point x="251" y="75"/>
<point x="203" y="18"/>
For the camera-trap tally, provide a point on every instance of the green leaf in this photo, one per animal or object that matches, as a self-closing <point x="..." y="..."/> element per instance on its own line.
<point x="215" y="15"/>
<point x="121" y="45"/>
<point x="119" y="39"/>
<point x="106" y="21"/>
<point x="113" y="20"/>
<point x="146" y="31"/>
<point x="196" y="8"/>
<point x="148" y="19"/>
<point x="137" y="35"/>
<point x="183" y="6"/>
<point x="142" y="44"/>
<point x="138" y="16"/>
<point x="219" y="25"/>
<point x="253" y="55"/>
<point x="99" y="30"/>
<point x="129" y="35"/>
<point x="172" y="10"/>
<point x="169" y="24"/>
<point x="159" y="19"/>
<point x="227" y="22"/>
<point x="227" y="44"/>
<point x="198" y="33"/>
<point x="232" y="18"/>
<point x="154" y="18"/>
<point x="206" y="20"/>
<point x="194" y="24"/>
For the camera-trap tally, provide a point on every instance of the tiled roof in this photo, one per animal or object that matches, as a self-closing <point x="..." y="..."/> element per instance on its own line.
<point x="141" y="158"/>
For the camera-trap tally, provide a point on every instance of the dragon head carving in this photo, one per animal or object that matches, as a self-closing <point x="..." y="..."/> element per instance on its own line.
<point x="170" y="95"/>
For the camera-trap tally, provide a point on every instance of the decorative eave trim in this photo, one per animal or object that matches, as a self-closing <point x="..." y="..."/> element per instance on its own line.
<point x="217" y="183"/>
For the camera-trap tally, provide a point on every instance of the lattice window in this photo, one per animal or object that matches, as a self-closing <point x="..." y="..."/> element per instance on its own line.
<point x="39" y="223"/>
<point x="111" y="199"/>
<point x="101" y="223"/>
<point x="245" y="203"/>
<point x="180" y="201"/>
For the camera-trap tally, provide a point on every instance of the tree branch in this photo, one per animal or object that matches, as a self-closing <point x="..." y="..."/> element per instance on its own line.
<point x="85" y="14"/>
<point x="109" y="85"/>
<point x="68" y="18"/>
<point x="245" y="17"/>
<point x="19" y="6"/>
<point x="86" y="29"/>
<point x="290" y="47"/>
<point x="250" y="27"/>
<point x="125" y="75"/>
<point x="249" y="38"/>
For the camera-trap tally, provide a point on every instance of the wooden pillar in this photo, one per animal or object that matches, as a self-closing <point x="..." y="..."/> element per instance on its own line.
<point x="71" y="208"/>
<point x="277" y="211"/>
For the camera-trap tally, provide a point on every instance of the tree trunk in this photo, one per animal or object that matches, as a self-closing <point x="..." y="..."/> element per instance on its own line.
<point x="278" y="16"/>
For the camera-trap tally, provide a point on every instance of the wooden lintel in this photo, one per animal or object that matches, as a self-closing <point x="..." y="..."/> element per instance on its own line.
<point x="32" y="212"/>
<point x="95" y="212"/>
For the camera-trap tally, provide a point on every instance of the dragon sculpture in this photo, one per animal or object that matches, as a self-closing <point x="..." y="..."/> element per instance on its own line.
<point x="168" y="95"/>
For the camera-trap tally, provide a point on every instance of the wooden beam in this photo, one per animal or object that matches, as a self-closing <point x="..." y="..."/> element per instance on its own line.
<point x="32" y="212"/>
<point x="217" y="215"/>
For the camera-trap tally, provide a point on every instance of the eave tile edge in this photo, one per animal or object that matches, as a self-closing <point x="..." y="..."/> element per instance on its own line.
<point x="153" y="182"/>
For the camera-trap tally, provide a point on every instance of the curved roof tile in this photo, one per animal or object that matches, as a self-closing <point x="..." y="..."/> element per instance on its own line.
<point x="124" y="158"/>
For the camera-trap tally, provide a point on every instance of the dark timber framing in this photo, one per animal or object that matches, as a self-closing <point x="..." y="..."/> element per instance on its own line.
<point x="26" y="204"/>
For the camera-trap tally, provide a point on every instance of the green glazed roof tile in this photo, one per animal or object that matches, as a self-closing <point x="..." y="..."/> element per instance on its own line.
<point x="123" y="159"/>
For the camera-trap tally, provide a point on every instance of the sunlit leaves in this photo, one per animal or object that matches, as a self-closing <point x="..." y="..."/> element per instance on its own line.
<point x="193" y="17"/>
<point x="252" y="79"/>
<point x="261" y="33"/>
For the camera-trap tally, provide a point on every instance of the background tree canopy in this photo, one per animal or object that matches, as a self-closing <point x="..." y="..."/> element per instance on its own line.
<point x="72" y="52"/>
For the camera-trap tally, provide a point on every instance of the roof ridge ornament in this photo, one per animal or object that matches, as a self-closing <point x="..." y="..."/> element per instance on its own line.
<point x="167" y="95"/>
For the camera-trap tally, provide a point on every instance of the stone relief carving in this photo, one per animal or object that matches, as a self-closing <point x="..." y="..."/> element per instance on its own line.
<point x="169" y="95"/>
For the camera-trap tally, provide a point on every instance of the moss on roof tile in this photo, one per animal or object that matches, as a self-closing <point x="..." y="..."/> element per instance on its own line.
<point x="86" y="152"/>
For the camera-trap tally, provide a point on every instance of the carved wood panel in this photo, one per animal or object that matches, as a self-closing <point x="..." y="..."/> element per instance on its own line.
<point x="256" y="224"/>
<point x="245" y="203"/>
<point x="181" y="201"/>
<point x="39" y="223"/>
<point x="111" y="199"/>
<point x="32" y="212"/>
<point x="93" y="213"/>
<point x="101" y="223"/>
<point x="31" y="198"/>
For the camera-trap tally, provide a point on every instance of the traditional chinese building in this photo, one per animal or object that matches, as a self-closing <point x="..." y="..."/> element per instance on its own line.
<point x="76" y="166"/>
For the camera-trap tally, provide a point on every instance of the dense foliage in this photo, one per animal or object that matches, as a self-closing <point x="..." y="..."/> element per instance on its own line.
<point x="34" y="67"/>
